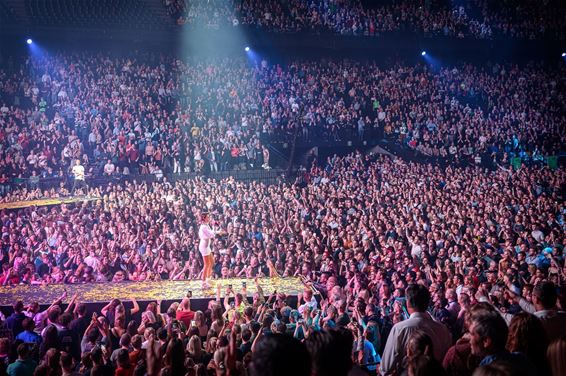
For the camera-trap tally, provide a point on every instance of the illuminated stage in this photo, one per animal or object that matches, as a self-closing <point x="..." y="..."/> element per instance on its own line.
<point x="144" y="291"/>
<point x="47" y="202"/>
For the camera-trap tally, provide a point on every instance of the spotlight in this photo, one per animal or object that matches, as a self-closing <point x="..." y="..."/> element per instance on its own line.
<point x="29" y="41"/>
<point x="563" y="54"/>
<point x="247" y="49"/>
<point x="423" y="53"/>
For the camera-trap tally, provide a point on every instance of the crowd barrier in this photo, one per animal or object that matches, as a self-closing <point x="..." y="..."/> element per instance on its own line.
<point x="265" y="176"/>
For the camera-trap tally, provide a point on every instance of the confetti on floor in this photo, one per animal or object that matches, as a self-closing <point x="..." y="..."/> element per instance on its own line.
<point x="47" y="201"/>
<point x="144" y="291"/>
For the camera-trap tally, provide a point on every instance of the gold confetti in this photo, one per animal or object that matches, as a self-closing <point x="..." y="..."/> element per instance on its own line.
<point x="143" y="291"/>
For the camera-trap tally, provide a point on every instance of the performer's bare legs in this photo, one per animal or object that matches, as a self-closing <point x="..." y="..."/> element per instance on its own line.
<point x="207" y="270"/>
<point x="206" y="234"/>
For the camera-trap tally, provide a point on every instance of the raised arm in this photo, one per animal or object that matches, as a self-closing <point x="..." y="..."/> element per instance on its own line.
<point x="136" y="307"/>
<point x="257" y="339"/>
<point x="72" y="303"/>
<point x="226" y="299"/>
<point x="259" y="290"/>
<point x="272" y="271"/>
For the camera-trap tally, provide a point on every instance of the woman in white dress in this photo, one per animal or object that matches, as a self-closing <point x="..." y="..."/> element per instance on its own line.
<point x="206" y="234"/>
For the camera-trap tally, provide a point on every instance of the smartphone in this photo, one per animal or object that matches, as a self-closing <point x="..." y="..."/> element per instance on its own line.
<point x="189" y="294"/>
<point x="193" y="323"/>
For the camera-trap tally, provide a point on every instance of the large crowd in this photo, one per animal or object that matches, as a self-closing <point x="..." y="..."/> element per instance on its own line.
<point x="420" y="269"/>
<point x="453" y="268"/>
<point x="155" y="114"/>
<point x="478" y="19"/>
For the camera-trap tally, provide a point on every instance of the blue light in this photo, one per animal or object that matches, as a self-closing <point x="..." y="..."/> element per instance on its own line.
<point x="423" y="53"/>
<point x="29" y="41"/>
<point x="563" y="54"/>
<point x="247" y="49"/>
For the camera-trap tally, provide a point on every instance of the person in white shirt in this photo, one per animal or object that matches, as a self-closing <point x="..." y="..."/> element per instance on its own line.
<point x="206" y="234"/>
<point x="394" y="356"/>
<point x="109" y="168"/>
<point x="309" y="299"/>
<point x="79" y="173"/>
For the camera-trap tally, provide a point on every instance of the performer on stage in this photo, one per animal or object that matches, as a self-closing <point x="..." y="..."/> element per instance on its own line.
<point x="206" y="234"/>
<point x="79" y="173"/>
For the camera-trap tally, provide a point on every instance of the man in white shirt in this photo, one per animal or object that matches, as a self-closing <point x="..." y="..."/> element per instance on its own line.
<point x="310" y="301"/>
<point x="79" y="173"/>
<point x="395" y="353"/>
<point x="109" y="168"/>
<point x="92" y="261"/>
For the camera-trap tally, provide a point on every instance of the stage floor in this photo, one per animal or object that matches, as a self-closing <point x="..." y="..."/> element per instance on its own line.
<point x="47" y="201"/>
<point x="143" y="291"/>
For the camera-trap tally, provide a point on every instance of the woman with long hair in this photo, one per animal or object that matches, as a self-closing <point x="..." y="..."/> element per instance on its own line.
<point x="195" y="350"/>
<point x="50" y="340"/>
<point x="420" y="356"/>
<point x="206" y="234"/>
<point x="527" y="336"/>
<point x="217" y="319"/>
<point x="556" y="356"/>
<point x="200" y="323"/>
<point x="174" y="358"/>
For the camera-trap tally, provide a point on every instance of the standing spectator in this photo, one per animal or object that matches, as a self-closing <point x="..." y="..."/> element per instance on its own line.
<point x="418" y="300"/>
<point x="420" y="356"/>
<point x="28" y="335"/>
<point x="69" y="341"/>
<point x="24" y="365"/>
<point x="489" y="332"/>
<point x="330" y="352"/>
<point x="78" y="171"/>
<point x="272" y="353"/>
<point x="79" y="324"/>
<point x="109" y="168"/>
<point x="68" y="365"/>
<point x="544" y="298"/>
<point x="4" y="354"/>
<point x="527" y="336"/>
<point x="184" y="313"/>
<point x="556" y="355"/>
<point x="14" y="322"/>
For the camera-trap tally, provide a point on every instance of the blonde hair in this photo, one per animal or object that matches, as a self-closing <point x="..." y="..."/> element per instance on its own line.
<point x="194" y="347"/>
<point x="211" y="344"/>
